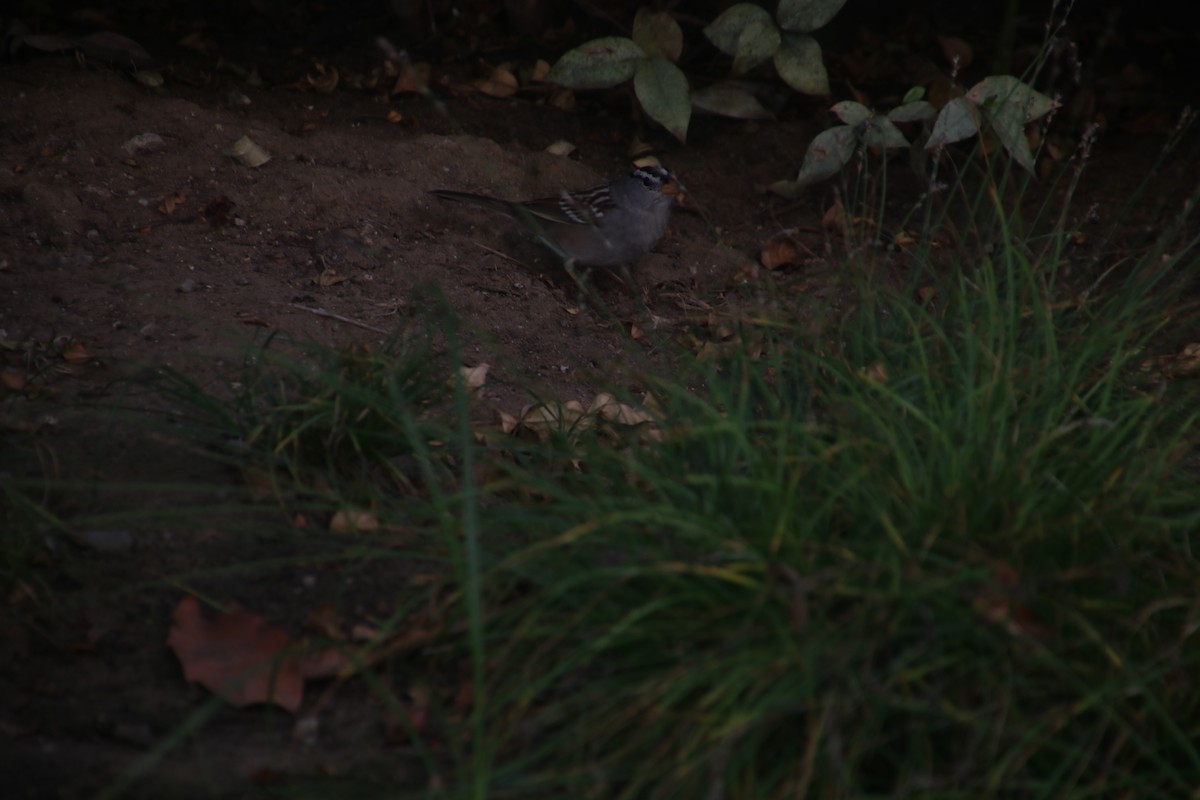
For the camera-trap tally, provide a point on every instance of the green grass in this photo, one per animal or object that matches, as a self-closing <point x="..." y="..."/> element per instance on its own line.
<point x="945" y="550"/>
<point x="952" y="559"/>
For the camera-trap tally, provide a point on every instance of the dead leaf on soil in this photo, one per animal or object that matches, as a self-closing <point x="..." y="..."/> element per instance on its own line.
<point x="353" y="520"/>
<point x="475" y="377"/>
<point x="171" y="202"/>
<point x="780" y="249"/>
<point x="246" y="152"/>
<point x="876" y="373"/>
<point x="609" y="408"/>
<point x="562" y="99"/>
<point x="501" y="83"/>
<point x="1185" y="362"/>
<point x="329" y="277"/>
<point x="76" y="353"/>
<point x="237" y="656"/>
<point x="834" y="218"/>
<point x="13" y="380"/>
<point x="561" y="148"/>
<point x="412" y="78"/>
<point x="326" y="79"/>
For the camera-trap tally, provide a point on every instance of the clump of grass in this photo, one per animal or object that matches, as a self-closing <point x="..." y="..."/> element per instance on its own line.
<point x="951" y="557"/>
<point x="342" y="422"/>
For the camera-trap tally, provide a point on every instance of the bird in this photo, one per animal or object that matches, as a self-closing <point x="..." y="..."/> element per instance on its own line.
<point x="610" y="225"/>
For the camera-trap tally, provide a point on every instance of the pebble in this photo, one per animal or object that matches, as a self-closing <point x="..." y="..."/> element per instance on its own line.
<point x="187" y="286"/>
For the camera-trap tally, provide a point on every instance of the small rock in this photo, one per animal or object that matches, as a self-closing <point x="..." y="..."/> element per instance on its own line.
<point x="188" y="285"/>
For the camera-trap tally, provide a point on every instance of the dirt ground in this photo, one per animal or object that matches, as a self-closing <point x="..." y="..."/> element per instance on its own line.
<point x="129" y="239"/>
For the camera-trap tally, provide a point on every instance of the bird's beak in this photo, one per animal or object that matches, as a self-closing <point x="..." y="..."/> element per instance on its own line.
<point x="673" y="188"/>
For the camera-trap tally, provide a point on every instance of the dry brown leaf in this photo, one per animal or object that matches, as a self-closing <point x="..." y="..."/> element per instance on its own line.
<point x="76" y="353"/>
<point x="562" y="99"/>
<point x="834" y="218"/>
<point x="353" y="520"/>
<point x="613" y="410"/>
<point x="326" y="621"/>
<point x="501" y="83"/>
<point x="237" y="656"/>
<point x="326" y="79"/>
<point x="171" y="202"/>
<point x="412" y="78"/>
<point x="1185" y="362"/>
<point x="246" y="151"/>
<point x="475" y="377"/>
<point x="780" y="249"/>
<point x="541" y="68"/>
<point x="13" y="380"/>
<point x="330" y="278"/>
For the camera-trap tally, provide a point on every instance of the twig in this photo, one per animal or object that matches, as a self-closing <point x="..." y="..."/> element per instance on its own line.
<point x="320" y="312"/>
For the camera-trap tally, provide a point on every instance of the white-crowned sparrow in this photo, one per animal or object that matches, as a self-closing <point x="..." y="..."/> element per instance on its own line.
<point x="604" y="226"/>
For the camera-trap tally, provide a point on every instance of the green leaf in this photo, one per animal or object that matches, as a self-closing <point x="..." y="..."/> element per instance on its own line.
<point x="827" y="154"/>
<point x="807" y="15"/>
<point x="757" y="42"/>
<point x="1009" y="128"/>
<point x="852" y="113"/>
<point x="730" y="99"/>
<point x="880" y="132"/>
<point x="658" y="34"/>
<point x="598" y="64"/>
<point x="726" y="30"/>
<point x="798" y="61"/>
<point x="957" y="121"/>
<point x="913" y="95"/>
<point x="1017" y="99"/>
<point x="917" y="111"/>
<point x="662" y="89"/>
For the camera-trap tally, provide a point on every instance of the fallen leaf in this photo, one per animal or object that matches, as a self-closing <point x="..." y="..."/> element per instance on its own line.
<point x="560" y="148"/>
<point x="834" y="218"/>
<point x="501" y="83"/>
<point x="237" y="656"/>
<point x="246" y="152"/>
<point x="76" y="354"/>
<point x="412" y="78"/>
<point x="13" y="380"/>
<point x="171" y="202"/>
<point x="780" y="249"/>
<point x="329" y="277"/>
<point x="353" y="520"/>
<point x="325" y="81"/>
<point x="475" y="377"/>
